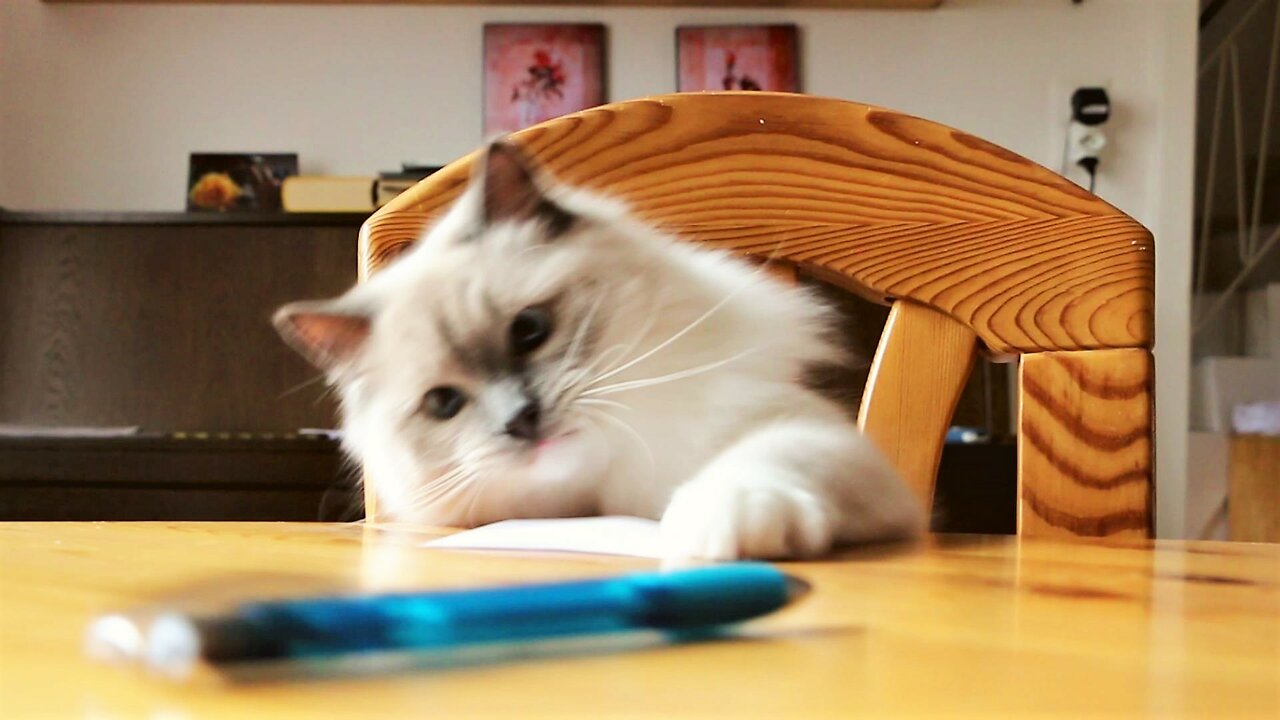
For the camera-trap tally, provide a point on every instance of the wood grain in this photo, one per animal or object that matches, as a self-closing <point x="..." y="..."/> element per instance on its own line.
<point x="1085" y="444"/>
<point x="1254" y="490"/>
<point x="371" y="502"/>
<point x="920" y="369"/>
<point x="780" y="270"/>
<point x="958" y="627"/>
<point x="163" y="326"/>
<point x="893" y="205"/>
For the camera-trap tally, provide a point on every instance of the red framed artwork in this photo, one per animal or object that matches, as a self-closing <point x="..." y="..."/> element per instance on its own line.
<point x="737" y="57"/>
<point x="536" y="72"/>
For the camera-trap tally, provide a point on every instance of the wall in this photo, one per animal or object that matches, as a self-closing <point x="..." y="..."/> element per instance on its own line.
<point x="102" y="103"/>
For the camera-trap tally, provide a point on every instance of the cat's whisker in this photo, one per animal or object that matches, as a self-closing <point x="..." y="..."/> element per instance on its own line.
<point x="758" y="271"/>
<point x="773" y="255"/>
<point x="303" y="385"/>
<point x="651" y="317"/>
<point x="574" y="376"/>
<point x="438" y="487"/>
<point x="564" y="383"/>
<point x="644" y="445"/>
<point x="528" y="250"/>
<point x="604" y="403"/>
<point x="681" y="333"/>
<point x="575" y="346"/>
<point x="428" y="499"/>
<point x="568" y="379"/>
<point x="471" y="505"/>
<point x="458" y="489"/>
<point x="635" y="340"/>
<point x="474" y="459"/>
<point x="330" y="392"/>
<point x="424" y="498"/>
<point x="669" y="377"/>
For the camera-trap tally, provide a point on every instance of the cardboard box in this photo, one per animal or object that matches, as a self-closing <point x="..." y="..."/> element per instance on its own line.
<point x="1221" y="383"/>
<point x="1223" y="336"/>
<point x="1254" y="472"/>
<point x="1257" y="324"/>
<point x="1207" y="462"/>
<point x="1273" y="319"/>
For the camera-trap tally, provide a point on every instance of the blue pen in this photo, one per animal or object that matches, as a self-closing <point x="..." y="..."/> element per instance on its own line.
<point x="313" y="629"/>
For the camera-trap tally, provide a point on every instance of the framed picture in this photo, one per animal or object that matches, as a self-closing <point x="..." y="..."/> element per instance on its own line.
<point x="738" y="57"/>
<point x="228" y="182"/>
<point x="536" y="72"/>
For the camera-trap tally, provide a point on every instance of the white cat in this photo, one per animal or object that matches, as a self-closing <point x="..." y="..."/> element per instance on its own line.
<point x="542" y="353"/>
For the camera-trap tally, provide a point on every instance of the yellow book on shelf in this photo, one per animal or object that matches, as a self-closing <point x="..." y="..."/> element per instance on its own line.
<point x="326" y="193"/>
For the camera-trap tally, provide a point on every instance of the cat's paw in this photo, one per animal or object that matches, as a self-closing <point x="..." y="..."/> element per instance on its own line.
<point x="730" y="521"/>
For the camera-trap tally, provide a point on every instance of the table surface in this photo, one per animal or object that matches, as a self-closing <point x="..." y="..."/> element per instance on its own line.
<point x="956" y="626"/>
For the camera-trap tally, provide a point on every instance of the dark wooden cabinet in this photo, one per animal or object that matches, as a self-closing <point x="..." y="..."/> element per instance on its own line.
<point x="163" y="477"/>
<point x="162" y="321"/>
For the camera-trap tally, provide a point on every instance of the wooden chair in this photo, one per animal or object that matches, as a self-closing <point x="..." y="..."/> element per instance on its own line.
<point x="975" y="248"/>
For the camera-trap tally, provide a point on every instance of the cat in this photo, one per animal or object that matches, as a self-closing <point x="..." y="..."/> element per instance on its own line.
<point x="541" y="352"/>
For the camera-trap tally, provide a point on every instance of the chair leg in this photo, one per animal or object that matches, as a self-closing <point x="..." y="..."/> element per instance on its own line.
<point x="1085" y="444"/>
<point x="370" y="500"/>
<point x="919" y="371"/>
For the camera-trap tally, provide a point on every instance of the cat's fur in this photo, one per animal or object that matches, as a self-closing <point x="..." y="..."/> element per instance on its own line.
<point x="670" y="385"/>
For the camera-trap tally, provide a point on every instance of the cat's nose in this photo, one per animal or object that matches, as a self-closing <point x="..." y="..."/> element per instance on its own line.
<point x="524" y="424"/>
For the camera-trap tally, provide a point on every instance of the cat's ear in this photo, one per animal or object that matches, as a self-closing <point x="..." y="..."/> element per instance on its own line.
<point x="328" y="336"/>
<point x="511" y="190"/>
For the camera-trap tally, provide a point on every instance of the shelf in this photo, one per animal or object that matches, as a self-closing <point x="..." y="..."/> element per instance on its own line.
<point x="211" y="442"/>
<point x="160" y="478"/>
<point x="62" y="217"/>
<point x="839" y="4"/>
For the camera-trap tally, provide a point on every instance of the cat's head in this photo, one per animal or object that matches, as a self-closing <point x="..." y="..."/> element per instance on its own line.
<point x="463" y="365"/>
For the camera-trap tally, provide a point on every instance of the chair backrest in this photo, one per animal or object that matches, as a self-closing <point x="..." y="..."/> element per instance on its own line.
<point x="974" y="247"/>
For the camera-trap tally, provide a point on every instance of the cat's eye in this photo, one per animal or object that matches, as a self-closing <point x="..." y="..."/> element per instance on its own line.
<point x="443" y="402"/>
<point x="529" y="330"/>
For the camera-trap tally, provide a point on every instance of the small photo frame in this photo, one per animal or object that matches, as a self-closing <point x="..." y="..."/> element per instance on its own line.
<point x="738" y="57"/>
<point x="537" y="72"/>
<point x="237" y="182"/>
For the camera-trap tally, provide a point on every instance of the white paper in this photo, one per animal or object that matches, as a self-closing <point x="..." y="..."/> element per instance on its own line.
<point x="613" y="535"/>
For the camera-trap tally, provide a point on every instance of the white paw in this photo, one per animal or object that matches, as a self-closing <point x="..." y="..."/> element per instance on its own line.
<point x="731" y="521"/>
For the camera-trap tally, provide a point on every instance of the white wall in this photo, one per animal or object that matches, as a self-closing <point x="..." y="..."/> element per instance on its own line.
<point x="1171" y="170"/>
<point x="102" y="103"/>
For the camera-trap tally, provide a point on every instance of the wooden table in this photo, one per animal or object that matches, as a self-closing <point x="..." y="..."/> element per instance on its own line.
<point x="960" y="626"/>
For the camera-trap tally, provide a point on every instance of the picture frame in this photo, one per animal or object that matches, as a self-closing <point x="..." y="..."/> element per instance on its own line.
<point x="534" y="72"/>
<point x="738" y="57"/>
<point x="237" y="182"/>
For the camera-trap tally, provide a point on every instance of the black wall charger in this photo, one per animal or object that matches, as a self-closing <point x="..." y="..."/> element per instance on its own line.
<point x="1090" y="108"/>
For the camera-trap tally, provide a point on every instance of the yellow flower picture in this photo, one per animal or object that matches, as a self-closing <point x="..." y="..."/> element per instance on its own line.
<point x="215" y="191"/>
<point x="238" y="182"/>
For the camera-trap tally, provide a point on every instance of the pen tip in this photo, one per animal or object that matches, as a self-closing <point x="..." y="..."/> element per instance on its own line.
<point x="114" y="639"/>
<point x="173" y="646"/>
<point x="797" y="588"/>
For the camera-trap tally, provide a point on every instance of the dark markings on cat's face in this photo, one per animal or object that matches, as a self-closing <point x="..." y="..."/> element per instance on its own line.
<point x="556" y="219"/>
<point x="503" y="346"/>
<point x="484" y="351"/>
